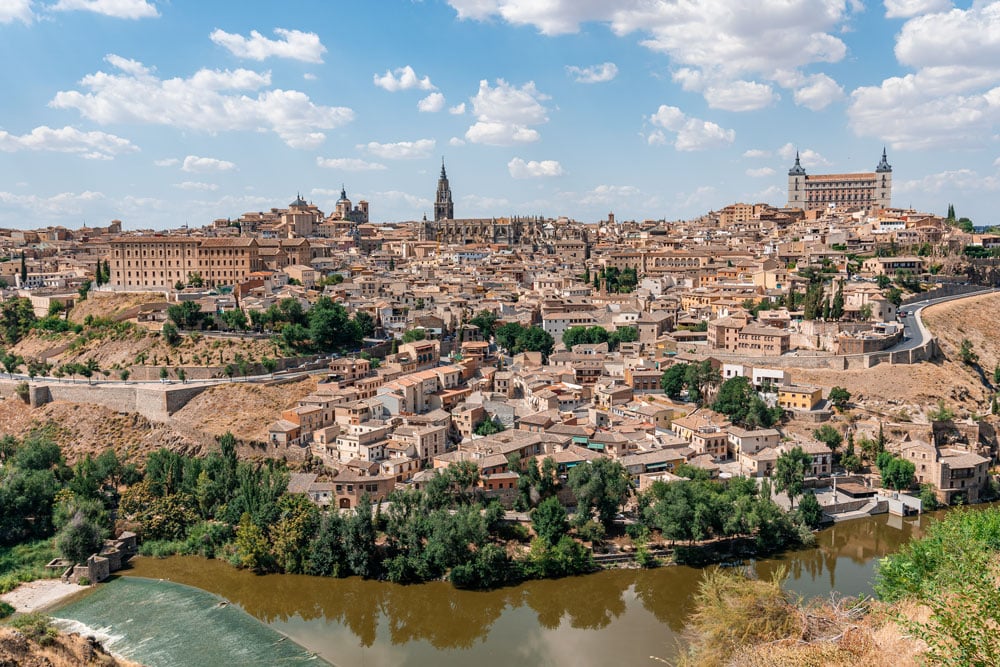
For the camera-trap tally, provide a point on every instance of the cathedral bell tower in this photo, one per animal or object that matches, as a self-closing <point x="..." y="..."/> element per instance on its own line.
<point x="444" y="208"/>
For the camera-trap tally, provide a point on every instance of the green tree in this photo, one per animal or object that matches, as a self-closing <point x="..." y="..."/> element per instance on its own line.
<point x="896" y="473"/>
<point x="601" y="486"/>
<point x="79" y="539"/>
<point x="24" y="269"/>
<point x="810" y="511"/>
<point x="967" y="354"/>
<point x="549" y="520"/>
<point x="170" y="334"/>
<point x="413" y="335"/>
<point x="253" y="550"/>
<point x="829" y="436"/>
<point x="489" y="427"/>
<point x="839" y="397"/>
<point x="292" y="534"/>
<point x="672" y="380"/>
<point x="486" y="322"/>
<point x="790" y="471"/>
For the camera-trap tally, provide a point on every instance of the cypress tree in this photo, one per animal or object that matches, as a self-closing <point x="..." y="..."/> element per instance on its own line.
<point x="24" y="270"/>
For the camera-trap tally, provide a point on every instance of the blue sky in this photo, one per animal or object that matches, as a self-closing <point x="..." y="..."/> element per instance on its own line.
<point x="164" y="113"/>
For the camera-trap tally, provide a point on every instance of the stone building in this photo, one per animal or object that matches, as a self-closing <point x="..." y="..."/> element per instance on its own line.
<point x="862" y="190"/>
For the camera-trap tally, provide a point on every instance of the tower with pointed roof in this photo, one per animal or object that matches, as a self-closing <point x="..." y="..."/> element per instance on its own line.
<point x="883" y="182"/>
<point x="796" y="185"/>
<point x="444" y="208"/>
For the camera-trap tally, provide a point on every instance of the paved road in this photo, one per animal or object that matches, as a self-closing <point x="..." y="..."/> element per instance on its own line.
<point x="914" y="333"/>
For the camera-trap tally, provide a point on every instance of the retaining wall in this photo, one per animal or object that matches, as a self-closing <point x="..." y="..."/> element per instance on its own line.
<point x="154" y="403"/>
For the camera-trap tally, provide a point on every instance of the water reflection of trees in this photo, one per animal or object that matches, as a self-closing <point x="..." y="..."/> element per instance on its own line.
<point x="587" y="602"/>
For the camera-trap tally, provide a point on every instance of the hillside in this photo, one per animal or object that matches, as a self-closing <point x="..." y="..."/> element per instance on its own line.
<point x="245" y="410"/>
<point x="891" y="389"/>
<point x="61" y="650"/>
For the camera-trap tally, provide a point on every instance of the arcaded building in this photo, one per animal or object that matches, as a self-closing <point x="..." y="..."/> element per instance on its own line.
<point x="864" y="190"/>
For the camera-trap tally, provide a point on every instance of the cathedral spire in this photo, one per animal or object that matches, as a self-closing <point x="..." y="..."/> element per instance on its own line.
<point x="883" y="166"/>
<point x="444" y="174"/>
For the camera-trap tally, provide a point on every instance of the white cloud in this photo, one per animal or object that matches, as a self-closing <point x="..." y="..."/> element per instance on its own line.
<point x="62" y="204"/>
<point x="807" y="156"/>
<point x="121" y="9"/>
<point x="432" y="103"/>
<point x="348" y="164"/>
<point x="760" y="173"/>
<point x="402" y="78"/>
<point x="953" y="97"/>
<point x="16" y="10"/>
<point x="740" y="96"/>
<point x="455" y="141"/>
<point x="294" y="44"/>
<point x="719" y="41"/>
<point x="965" y="180"/>
<point x="393" y="196"/>
<point x="699" y="199"/>
<point x="209" y="100"/>
<point x="518" y="168"/>
<point x="692" y="133"/>
<point x="608" y="194"/>
<point x="198" y="165"/>
<point x="593" y="74"/>
<point x="457" y="110"/>
<point x="505" y="113"/>
<point x="194" y="185"/>
<point x="67" y="140"/>
<point x="818" y="92"/>
<point x="756" y="153"/>
<point x="309" y="76"/>
<point x="401" y="150"/>
<point x="482" y="205"/>
<point x="167" y="162"/>
<point x="904" y="9"/>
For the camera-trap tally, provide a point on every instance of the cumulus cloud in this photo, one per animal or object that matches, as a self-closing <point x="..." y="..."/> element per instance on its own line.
<point x="61" y="204"/>
<point x="818" y="92"/>
<point x="432" y="103"/>
<point x="167" y="162"/>
<point x="756" y="153"/>
<point x="740" y="96"/>
<point x="966" y="180"/>
<point x="593" y="74"/>
<point x="455" y="141"/>
<point x="807" y="156"/>
<point x="457" y="110"/>
<point x="121" y="9"/>
<point x="693" y="134"/>
<point x="400" y="150"/>
<point x="505" y="114"/>
<point x="402" y="78"/>
<point x="608" y="194"/>
<point x="348" y="164"/>
<point x="953" y="97"/>
<point x="91" y="145"/>
<point x="760" y="173"/>
<point x="198" y="165"/>
<point x="294" y="44"/>
<point x="904" y="9"/>
<point x="209" y="100"/>
<point x="194" y="185"/>
<point x="396" y="196"/>
<point x="16" y="10"/>
<point x="717" y="41"/>
<point x="518" y="168"/>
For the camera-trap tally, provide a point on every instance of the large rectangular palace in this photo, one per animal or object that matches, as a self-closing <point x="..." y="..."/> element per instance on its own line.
<point x="865" y="190"/>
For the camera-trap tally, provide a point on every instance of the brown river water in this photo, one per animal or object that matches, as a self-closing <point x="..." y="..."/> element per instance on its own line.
<point x="618" y="617"/>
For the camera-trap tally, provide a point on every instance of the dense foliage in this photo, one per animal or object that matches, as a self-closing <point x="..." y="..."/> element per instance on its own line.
<point x="953" y="570"/>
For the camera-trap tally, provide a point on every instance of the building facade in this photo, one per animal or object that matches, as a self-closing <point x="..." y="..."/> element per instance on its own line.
<point x="862" y="190"/>
<point x="160" y="262"/>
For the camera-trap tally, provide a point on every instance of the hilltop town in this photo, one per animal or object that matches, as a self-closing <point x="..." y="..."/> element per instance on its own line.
<point x="372" y="356"/>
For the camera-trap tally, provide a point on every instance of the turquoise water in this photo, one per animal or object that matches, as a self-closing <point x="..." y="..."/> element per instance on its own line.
<point x="165" y="624"/>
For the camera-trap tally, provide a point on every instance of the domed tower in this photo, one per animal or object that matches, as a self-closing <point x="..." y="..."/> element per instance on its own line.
<point x="444" y="208"/>
<point x="797" y="185"/>
<point x="343" y="209"/>
<point x="883" y="183"/>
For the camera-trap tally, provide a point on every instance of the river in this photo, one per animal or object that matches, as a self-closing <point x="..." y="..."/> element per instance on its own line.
<point x="612" y="617"/>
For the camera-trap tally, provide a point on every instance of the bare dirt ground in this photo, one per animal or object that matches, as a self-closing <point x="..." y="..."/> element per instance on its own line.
<point x="245" y="410"/>
<point x="40" y="594"/>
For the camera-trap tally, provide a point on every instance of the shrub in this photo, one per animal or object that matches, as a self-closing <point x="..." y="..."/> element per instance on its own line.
<point x="5" y="609"/>
<point x="84" y="581"/>
<point x="35" y="626"/>
<point x="644" y="558"/>
<point x="22" y="391"/>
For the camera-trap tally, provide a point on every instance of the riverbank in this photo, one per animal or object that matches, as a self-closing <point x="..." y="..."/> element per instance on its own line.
<point x="610" y="617"/>
<point x="41" y="594"/>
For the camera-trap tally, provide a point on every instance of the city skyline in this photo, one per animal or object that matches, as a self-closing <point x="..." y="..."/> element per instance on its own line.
<point x="164" y="114"/>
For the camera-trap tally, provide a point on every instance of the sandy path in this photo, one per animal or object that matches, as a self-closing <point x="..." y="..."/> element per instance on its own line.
<point x="40" y="594"/>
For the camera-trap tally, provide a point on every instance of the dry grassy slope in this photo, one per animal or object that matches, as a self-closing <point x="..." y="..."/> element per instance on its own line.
<point x="243" y="409"/>
<point x="66" y="650"/>
<point x="82" y="429"/>
<point x="108" y="351"/>
<point x="916" y="386"/>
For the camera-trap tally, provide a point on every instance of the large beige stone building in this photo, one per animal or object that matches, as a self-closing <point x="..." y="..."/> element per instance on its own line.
<point x="159" y="262"/>
<point x="862" y="190"/>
